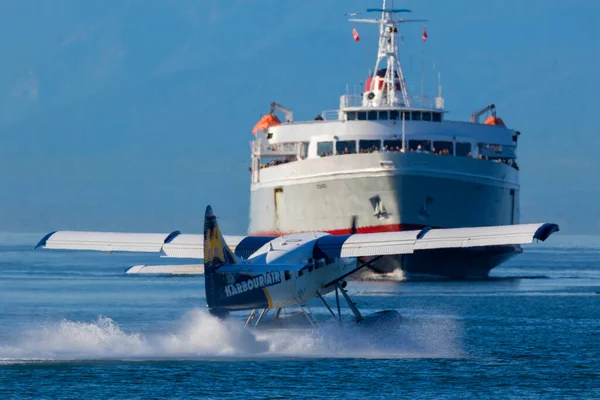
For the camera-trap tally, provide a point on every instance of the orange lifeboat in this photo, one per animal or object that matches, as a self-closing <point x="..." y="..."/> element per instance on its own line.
<point x="265" y="122"/>
<point x="493" y="120"/>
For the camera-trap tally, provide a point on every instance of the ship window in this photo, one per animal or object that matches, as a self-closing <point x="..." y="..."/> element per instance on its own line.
<point x="392" y="145"/>
<point x="437" y="117"/>
<point x="510" y="151"/>
<point x="372" y="115"/>
<point x="287" y="275"/>
<point x="443" y="148"/>
<point x="406" y="115"/>
<point x="463" y="149"/>
<point x="351" y="115"/>
<point x="324" y="149"/>
<point x="426" y="116"/>
<point x="362" y="115"/>
<point x="368" y="146"/>
<point x="416" y="115"/>
<point x="300" y="273"/>
<point x="497" y="150"/>
<point x="394" y="115"/>
<point x="345" y="147"/>
<point x="383" y="115"/>
<point x="413" y="145"/>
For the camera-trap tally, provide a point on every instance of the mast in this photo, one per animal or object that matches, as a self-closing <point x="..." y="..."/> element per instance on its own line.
<point x="388" y="53"/>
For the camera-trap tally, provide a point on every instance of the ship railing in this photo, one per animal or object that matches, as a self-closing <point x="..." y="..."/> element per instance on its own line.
<point x="424" y="102"/>
<point x="332" y="115"/>
<point x="265" y="149"/>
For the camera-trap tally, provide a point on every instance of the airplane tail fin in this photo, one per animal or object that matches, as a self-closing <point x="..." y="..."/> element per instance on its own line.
<point x="216" y="254"/>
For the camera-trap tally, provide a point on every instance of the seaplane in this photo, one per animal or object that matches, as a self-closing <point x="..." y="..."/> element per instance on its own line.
<point x="262" y="274"/>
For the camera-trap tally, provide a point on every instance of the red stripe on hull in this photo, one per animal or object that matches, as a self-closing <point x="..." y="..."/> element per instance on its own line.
<point x="362" y="229"/>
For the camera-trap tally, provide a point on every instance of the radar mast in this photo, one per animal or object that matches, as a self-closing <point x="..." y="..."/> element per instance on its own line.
<point x="393" y="80"/>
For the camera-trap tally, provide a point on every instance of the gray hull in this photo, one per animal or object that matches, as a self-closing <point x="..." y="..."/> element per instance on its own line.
<point x="391" y="192"/>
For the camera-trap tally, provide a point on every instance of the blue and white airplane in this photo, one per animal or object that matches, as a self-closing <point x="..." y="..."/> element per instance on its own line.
<point x="272" y="273"/>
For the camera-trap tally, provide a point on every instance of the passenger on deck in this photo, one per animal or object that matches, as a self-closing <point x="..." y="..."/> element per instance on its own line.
<point x="319" y="118"/>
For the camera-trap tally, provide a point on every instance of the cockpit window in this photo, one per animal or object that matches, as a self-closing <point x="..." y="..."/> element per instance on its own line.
<point x="383" y="115"/>
<point x="394" y="115"/>
<point x="426" y="116"/>
<point x="362" y="115"/>
<point x="416" y="115"/>
<point x="437" y="117"/>
<point x="351" y="115"/>
<point x="372" y="115"/>
<point x="345" y="147"/>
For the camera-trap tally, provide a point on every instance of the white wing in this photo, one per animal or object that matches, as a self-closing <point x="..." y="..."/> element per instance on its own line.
<point x="174" y="244"/>
<point x="192" y="246"/>
<point x="407" y="242"/>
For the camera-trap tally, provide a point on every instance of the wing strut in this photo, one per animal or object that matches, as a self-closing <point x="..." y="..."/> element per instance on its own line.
<point x="353" y="271"/>
<point x="351" y="304"/>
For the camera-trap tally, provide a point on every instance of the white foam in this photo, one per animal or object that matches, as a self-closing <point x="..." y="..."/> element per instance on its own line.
<point x="395" y="276"/>
<point x="199" y="335"/>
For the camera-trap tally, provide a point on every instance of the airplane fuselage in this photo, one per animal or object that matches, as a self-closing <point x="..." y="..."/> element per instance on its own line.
<point x="282" y="273"/>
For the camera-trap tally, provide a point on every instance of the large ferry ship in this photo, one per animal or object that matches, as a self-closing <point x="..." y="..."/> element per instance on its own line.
<point x="394" y="161"/>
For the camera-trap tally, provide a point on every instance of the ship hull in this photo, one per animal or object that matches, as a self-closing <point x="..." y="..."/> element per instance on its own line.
<point x="450" y="263"/>
<point x="392" y="192"/>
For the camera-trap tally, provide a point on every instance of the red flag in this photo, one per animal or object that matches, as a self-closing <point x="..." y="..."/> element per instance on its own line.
<point x="424" y="37"/>
<point x="355" y="35"/>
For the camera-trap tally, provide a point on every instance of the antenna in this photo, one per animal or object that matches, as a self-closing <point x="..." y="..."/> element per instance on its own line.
<point x="403" y="132"/>
<point x="388" y="52"/>
<point x="434" y="76"/>
<point x="423" y="72"/>
<point x="439" y="100"/>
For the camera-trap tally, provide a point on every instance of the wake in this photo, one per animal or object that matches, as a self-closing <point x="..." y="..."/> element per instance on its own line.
<point x="201" y="336"/>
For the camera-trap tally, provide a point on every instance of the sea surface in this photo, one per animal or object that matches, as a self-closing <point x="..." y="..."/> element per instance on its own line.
<point x="73" y="325"/>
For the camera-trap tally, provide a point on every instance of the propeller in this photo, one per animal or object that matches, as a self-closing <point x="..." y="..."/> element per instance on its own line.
<point x="353" y="224"/>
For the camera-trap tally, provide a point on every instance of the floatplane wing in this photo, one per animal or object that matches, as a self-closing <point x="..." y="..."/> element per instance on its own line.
<point x="407" y="242"/>
<point x="174" y="244"/>
<point x="169" y="245"/>
<point x="190" y="246"/>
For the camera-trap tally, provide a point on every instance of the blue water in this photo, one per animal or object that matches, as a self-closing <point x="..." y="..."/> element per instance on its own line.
<point x="72" y="325"/>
